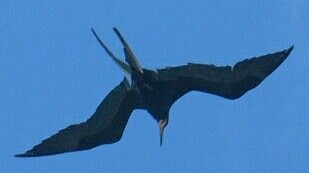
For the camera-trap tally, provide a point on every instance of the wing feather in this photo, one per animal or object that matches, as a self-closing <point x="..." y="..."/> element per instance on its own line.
<point x="225" y="81"/>
<point x="105" y="126"/>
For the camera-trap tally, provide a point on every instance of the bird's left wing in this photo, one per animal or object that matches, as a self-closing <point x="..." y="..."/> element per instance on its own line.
<point x="105" y="126"/>
<point x="227" y="81"/>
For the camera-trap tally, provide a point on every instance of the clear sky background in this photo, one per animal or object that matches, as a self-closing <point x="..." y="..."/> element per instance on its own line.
<point x="54" y="73"/>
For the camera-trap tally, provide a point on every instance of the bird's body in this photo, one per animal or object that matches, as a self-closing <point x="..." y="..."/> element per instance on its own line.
<point x="152" y="94"/>
<point x="155" y="91"/>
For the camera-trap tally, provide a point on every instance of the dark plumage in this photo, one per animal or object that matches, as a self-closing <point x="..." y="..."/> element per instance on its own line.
<point x="155" y="91"/>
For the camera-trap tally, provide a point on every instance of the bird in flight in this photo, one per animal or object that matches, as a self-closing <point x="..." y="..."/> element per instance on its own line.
<point x="154" y="91"/>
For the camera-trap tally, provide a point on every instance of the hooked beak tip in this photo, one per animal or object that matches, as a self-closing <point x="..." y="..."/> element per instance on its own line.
<point x="161" y="139"/>
<point x="162" y="124"/>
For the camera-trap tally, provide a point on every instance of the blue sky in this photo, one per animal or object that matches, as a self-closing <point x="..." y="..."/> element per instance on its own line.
<point x="53" y="73"/>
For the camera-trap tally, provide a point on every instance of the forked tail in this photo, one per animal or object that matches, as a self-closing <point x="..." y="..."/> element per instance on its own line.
<point x="130" y="57"/>
<point x="134" y="65"/>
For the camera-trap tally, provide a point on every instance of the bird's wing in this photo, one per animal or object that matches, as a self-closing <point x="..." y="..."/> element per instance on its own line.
<point x="228" y="82"/>
<point x="105" y="126"/>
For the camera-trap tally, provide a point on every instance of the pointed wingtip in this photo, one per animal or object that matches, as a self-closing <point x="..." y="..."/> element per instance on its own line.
<point x="24" y="155"/>
<point x="20" y="155"/>
<point x="289" y="50"/>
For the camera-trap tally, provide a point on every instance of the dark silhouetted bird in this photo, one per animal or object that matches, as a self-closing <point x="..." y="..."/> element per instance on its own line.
<point x="155" y="91"/>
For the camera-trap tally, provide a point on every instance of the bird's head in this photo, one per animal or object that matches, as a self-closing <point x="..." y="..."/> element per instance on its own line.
<point x="162" y="124"/>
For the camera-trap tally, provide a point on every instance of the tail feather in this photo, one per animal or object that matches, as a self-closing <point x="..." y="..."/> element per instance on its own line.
<point x="120" y="63"/>
<point x="130" y="57"/>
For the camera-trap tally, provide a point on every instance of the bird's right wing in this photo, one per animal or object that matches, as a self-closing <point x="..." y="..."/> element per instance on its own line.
<point x="227" y="81"/>
<point x="104" y="127"/>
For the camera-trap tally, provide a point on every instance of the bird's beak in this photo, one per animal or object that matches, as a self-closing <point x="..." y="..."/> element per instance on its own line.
<point x="162" y="124"/>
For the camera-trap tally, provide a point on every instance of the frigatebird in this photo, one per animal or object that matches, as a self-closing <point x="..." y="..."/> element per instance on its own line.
<point x="155" y="91"/>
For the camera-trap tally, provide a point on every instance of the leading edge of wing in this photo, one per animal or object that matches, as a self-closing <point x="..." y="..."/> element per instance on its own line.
<point x="105" y="126"/>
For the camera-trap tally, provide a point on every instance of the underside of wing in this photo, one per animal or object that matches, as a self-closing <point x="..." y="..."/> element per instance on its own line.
<point x="105" y="126"/>
<point x="228" y="82"/>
